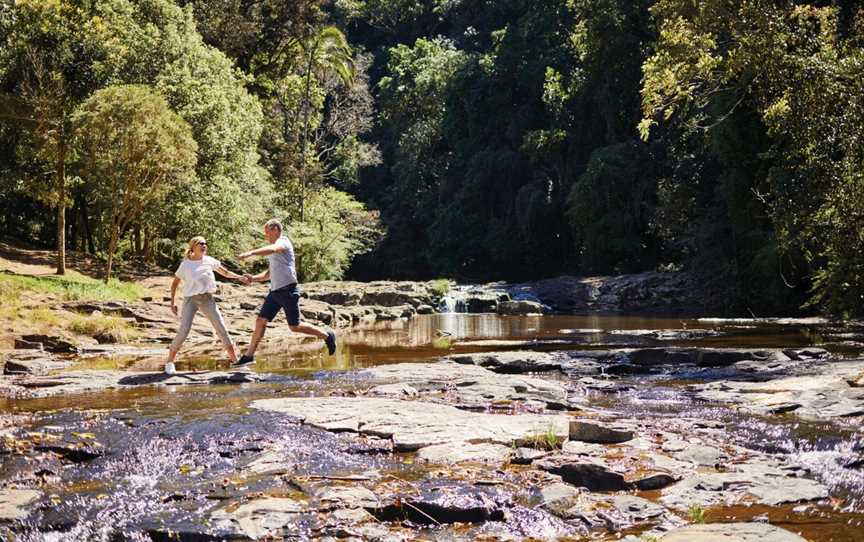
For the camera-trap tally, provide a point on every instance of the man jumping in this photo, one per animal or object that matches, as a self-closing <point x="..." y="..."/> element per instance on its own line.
<point x="284" y="293"/>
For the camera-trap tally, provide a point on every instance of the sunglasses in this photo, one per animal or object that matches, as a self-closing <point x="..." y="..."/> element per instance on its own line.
<point x="202" y="245"/>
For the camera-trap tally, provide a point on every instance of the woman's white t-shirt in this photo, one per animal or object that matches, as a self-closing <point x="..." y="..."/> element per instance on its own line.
<point x="197" y="275"/>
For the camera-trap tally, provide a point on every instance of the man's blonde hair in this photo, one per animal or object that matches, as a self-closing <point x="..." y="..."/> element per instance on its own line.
<point x="274" y="223"/>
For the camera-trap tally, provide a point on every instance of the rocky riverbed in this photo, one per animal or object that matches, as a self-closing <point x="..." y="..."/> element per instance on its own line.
<point x="507" y="425"/>
<point x="528" y="427"/>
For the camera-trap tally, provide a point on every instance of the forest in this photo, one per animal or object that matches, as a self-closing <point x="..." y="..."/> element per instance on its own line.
<point x="476" y="140"/>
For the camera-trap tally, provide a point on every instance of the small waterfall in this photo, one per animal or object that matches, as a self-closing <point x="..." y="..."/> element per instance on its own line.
<point x="454" y="300"/>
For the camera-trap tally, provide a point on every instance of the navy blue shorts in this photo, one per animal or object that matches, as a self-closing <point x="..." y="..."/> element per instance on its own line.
<point x="288" y="298"/>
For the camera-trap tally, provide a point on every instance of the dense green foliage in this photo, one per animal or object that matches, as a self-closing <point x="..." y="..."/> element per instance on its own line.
<point x="134" y="150"/>
<point x="490" y="139"/>
<point x="57" y="53"/>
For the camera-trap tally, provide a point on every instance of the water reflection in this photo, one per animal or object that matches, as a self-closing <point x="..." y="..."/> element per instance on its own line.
<point x="428" y="337"/>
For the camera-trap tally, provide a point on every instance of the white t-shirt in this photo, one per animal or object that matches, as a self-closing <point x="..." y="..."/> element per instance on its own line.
<point x="282" y="269"/>
<point x="197" y="275"/>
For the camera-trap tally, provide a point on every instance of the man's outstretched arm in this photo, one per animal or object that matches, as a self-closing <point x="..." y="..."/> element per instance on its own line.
<point x="266" y="250"/>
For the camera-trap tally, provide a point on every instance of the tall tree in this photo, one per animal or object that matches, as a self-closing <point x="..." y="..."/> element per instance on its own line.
<point x="791" y="73"/>
<point x="134" y="148"/>
<point x="155" y="42"/>
<point x="47" y="49"/>
<point x="323" y="52"/>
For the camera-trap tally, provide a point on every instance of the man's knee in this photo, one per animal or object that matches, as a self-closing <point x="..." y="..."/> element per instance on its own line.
<point x="261" y="322"/>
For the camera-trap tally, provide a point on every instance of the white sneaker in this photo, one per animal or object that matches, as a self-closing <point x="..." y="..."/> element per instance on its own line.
<point x="170" y="369"/>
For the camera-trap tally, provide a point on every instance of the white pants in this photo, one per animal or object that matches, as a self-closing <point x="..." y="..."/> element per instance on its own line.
<point x="207" y="305"/>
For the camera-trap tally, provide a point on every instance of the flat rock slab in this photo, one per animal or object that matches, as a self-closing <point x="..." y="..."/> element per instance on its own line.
<point x="643" y="360"/>
<point x="615" y="511"/>
<point x="33" y="363"/>
<point x="518" y="362"/>
<point x="731" y="532"/>
<point x="15" y="503"/>
<point x="589" y="473"/>
<point x="346" y="497"/>
<point x="832" y="394"/>
<point x="256" y="519"/>
<point x="89" y="381"/>
<point x="48" y="343"/>
<point x="415" y="424"/>
<point x="757" y="482"/>
<point x="464" y="384"/>
<point x="464" y="452"/>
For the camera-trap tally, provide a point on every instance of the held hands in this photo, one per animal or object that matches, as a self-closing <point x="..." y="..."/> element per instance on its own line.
<point x="246" y="278"/>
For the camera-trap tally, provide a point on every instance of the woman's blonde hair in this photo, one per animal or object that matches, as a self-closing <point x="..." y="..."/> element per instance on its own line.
<point x="193" y="243"/>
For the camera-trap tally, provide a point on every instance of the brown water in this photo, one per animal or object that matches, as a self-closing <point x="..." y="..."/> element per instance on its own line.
<point x="427" y="337"/>
<point x="173" y="452"/>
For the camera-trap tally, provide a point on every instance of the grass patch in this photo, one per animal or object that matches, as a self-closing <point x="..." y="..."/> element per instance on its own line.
<point x="442" y="343"/>
<point x="440" y="287"/>
<point x="105" y="329"/>
<point x="696" y="514"/>
<point x="47" y="317"/>
<point x="548" y="440"/>
<point x="70" y="287"/>
<point x="10" y="295"/>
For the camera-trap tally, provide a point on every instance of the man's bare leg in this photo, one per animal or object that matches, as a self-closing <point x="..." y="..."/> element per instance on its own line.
<point x="308" y="330"/>
<point x="329" y="337"/>
<point x="249" y="357"/>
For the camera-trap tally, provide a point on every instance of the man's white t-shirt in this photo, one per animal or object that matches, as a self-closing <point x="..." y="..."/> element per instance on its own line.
<point x="197" y="275"/>
<point x="282" y="269"/>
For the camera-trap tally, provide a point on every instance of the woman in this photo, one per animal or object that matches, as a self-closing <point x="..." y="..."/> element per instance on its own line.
<point x="199" y="285"/>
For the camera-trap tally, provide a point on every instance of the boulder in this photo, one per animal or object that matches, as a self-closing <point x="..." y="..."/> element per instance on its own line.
<point x="598" y="434"/>
<point x="583" y="472"/>
<point x="48" y="343"/>
<point x="446" y="504"/>
<point x="520" y="307"/>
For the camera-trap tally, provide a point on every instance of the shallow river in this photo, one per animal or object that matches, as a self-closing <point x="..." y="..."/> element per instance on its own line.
<point x="173" y="452"/>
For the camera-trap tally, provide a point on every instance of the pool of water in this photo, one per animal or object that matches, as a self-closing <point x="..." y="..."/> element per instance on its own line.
<point x="427" y="337"/>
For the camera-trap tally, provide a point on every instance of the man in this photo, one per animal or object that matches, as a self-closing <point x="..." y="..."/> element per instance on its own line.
<point x="284" y="293"/>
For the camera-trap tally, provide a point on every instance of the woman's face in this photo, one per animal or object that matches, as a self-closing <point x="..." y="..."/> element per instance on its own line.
<point x="200" y="249"/>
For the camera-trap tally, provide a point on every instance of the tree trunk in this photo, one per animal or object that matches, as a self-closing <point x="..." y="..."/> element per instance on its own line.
<point x="61" y="206"/>
<point x="112" y="246"/>
<point x="306" y="107"/>
<point x="136" y="240"/>
<point x="74" y="226"/>
<point x="148" y="252"/>
<point x="85" y="223"/>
